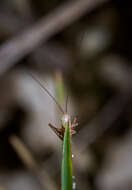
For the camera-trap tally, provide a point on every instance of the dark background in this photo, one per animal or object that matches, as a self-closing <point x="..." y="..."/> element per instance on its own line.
<point x="92" y="55"/>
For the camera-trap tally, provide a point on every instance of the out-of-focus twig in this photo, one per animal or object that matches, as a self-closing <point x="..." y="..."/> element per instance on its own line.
<point x="27" y="158"/>
<point x="121" y="76"/>
<point x="104" y="120"/>
<point x="15" y="49"/>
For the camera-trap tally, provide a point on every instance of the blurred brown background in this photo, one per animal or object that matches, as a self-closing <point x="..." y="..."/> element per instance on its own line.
<point x="88" y="43"/>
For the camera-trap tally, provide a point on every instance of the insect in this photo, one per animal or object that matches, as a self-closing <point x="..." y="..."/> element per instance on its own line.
<point x="66" y="118"/>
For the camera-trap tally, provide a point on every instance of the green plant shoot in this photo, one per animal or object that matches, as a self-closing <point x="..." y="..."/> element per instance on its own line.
<point x="67" y="159"/>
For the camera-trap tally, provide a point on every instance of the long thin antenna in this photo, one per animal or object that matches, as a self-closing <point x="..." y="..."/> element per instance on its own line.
<point x="43" y="87"/>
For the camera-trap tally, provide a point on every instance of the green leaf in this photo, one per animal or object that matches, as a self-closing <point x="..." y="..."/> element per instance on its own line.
<point x="67" y="161"/>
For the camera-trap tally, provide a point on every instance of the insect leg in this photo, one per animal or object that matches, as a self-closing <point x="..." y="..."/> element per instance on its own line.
<point x="59" y="132"/>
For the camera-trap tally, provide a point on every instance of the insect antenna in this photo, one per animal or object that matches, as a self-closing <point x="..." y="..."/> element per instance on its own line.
<point x="45" y="89"/>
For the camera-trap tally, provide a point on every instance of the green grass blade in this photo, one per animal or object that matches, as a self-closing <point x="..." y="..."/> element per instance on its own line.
<point x="67" y="161"/>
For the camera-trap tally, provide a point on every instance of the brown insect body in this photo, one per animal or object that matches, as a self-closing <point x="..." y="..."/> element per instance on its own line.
<point x="61" y="131"/>
<point x="65" y="118"/>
